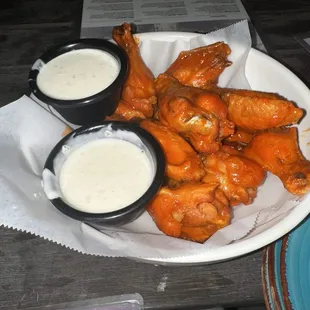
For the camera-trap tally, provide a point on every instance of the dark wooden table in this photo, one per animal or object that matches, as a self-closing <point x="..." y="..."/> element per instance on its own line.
<point x="37" y="273"/>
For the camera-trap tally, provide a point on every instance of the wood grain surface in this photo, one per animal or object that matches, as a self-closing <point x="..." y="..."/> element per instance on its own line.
<point x="37" y="273"/>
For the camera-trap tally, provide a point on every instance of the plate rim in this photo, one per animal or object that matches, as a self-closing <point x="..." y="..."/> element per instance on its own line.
<point x="269" y="303"/>
<point x="283" y="267"/>
<point x="230" y="251"/>
<point x="300" y="233"/>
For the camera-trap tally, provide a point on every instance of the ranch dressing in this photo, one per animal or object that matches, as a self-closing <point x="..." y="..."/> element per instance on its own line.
<point x="105" y="175"/>
<point x="78" y="74"/>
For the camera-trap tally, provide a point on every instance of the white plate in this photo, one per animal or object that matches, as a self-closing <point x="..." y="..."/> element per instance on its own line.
<point x="265" y="74"/>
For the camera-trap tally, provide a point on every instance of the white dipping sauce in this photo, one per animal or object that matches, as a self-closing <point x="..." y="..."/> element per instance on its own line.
<point x="105" y="175"/>
<point x="78" y="74"/>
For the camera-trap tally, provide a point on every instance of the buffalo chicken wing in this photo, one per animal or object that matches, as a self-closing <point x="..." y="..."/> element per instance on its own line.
<point x="244" y="93"/>
<point x="182" y="162"/>
<point x="260" y="113"/>
<point x="193" y="113"/>
<point x="138" y="91"/>
<point x="238" y="177"/>
<point x="201" y="66"/>
<point x="194" y="211"/>
<point x="278" y="153"/>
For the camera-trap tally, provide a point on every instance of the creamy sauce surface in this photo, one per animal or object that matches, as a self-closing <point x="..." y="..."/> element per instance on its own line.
<point x="78" y="74"/>
<point x="105" y="175"/>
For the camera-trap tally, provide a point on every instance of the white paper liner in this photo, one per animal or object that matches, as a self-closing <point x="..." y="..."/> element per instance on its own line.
<point x="28" y="132"/>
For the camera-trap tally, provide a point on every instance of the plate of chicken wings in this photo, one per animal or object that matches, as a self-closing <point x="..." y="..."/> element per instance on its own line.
<point x="220" y="143"/>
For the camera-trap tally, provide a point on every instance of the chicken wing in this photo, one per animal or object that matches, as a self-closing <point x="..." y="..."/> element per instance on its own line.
<point x="193" y="113"/>
<point x="194" y="211"/>
<point x="182" y="162"/>
<point x="201" y="66"/>
<point x="243" y="92"/>
<point x="207" y="100"/>
<point x="278" y="153"/>
<point x="260" y="113"/>
<point x="138" y="91"/>
<point x="238" y="177"/>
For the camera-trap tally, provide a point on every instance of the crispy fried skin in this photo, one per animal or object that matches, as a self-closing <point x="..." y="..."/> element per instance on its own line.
<point x="238" y="176"/>
<point x="260" y="113"/>
<point x="278" y="153"/>
<point x="193" y="113"/>
<point x="225" y="92"/>
<point x="201" y="66"/>
<point x="182" y="162"/>
<point x="194" y="211"/>
<point x="139" y="90"/>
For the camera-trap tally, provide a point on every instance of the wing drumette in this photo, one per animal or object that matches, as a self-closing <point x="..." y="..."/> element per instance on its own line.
<point x="244" y="93"/>
<point x="278" y="153"/>
<point x="139" y="90"/>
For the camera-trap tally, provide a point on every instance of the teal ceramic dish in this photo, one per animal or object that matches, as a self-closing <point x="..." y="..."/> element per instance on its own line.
<point x="286" y="271"/>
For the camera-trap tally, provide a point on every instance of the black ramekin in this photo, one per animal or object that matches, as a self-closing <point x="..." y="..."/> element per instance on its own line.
<point x="91" y="109"/>
<point x="132" y="211"/>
